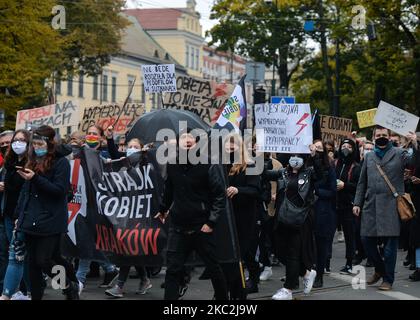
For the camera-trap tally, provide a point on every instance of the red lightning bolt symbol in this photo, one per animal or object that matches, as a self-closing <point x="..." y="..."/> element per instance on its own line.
<point x="74" y="207"/>
<point x="303" y="125"/>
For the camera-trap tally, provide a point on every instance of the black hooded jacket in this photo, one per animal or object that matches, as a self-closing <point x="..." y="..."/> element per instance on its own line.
<point x="348" y="171"/>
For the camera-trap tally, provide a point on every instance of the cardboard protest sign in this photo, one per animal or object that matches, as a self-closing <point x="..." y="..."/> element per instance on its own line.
<point x="366" y="118"/>
<point x="335" y="128"/>
<point x="204" y="97"/>
<point x="107" y="114"/>
<point x="285" y="128"/>
<point x="159" y="78"/>
<point x="395" y="119"/>
<point x="62" y="114"/>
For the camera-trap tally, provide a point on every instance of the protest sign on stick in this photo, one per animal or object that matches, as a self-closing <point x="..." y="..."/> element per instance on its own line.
<point x="283" y="128"/>
<point x="108" y="114"/>
<point x="159" y="78"/>
<point x="396" y="119"/>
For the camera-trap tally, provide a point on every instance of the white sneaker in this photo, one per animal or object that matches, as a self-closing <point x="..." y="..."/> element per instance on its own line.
<point x="20" y="296"/>
<point x="308" y="281"/>
<point x="266" y="274"/>
<point x="283" y="294"/>
<point x="340" y="236"/>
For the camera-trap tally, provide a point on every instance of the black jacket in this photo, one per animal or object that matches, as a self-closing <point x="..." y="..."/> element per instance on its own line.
<point x="13" y="184"/>
<point x="42" y="205"/>
<point x="245" y="207"/>
<point x="194" y="195"/>
<point x="348" y="172"/>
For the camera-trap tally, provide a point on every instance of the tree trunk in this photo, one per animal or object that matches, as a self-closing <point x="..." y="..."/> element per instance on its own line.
<point x="324" y="50"/>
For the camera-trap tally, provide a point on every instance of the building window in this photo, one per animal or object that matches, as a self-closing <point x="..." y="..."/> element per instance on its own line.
<point x="114" y="89"/>
<point x="70" y="85"/>
<point x="192" y="58"/>
<point x="105" y="88"/>
<point x="95" y="88"/>
<point x="187" y="57"/>
<point x="197" y="58"/>
<point x="130" y="83"/>
<point x="57" y="86"/>
<point x="81" y="80"/>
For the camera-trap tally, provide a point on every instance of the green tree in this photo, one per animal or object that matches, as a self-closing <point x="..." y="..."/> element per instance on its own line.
<point x="32" y="51"/>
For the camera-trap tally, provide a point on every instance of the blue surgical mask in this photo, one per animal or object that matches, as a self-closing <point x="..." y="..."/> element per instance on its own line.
<point x="131" y="151"/>
<point x="41" y="152"/>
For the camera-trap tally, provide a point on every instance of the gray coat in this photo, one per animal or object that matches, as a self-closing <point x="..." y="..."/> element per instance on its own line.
<point x="379" y="207"/>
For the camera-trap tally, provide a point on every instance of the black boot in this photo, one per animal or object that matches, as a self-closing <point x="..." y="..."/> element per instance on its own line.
<point x="251" y="286"/>
<point x="72" y="292"/>
<point x="319" y="282"/>
<point x="415" y="276"/>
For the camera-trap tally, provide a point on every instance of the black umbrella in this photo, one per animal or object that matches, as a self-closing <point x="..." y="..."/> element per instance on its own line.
<point x="147" y="127"/>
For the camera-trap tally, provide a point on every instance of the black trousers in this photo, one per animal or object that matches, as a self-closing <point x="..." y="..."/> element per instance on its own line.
<point x="265" y="243"/>
<point x="180" y="246"/>
<point x="294" y="263"/>
<point x="349" y="229"/>
<point x="43" y="255"/>
<point x="361" y="252"/>
<point x="322" y="244"/>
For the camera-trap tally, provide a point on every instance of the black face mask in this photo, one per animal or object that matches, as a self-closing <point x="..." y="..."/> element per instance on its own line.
<point x="3" y="150"/>
<point x="382" y="142"/>
<point x="346" y="152"/>
<point x="395" y="143"/>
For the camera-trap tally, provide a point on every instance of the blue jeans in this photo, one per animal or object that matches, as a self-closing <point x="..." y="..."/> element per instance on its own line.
<point x="16" y="271"/>
<point x="84" y="265"/>
<point x="386" y="266"/>
<point x="4" y="247"/>
<point x="418" y="258"/>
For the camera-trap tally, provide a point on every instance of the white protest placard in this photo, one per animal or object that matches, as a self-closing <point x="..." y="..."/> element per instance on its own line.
<point x="395" y="119"/>
<point x="283" y="128"/>
<point x="60" y="114"/>
<point x="159" y="78"/>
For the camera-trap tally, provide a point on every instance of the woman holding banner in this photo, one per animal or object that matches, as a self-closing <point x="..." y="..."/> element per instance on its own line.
<point x="296" y="189"/>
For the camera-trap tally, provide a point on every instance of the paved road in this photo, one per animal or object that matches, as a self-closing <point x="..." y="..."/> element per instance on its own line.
<point x="336" y="286"/>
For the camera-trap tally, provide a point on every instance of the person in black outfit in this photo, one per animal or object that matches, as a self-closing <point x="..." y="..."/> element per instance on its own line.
<point x="325" y="215"/>
<point x="244" y="190"/>
<point x="348" y="172"/>
<point x="195" y="197"/>
<point x="296" y="188"/>
<point x="43" y="213"/>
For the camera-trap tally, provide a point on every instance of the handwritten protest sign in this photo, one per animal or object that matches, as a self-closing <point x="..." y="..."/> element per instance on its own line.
<point x="366" y="118"/>
<point x="57" y="115"/>
<point x="336" y="129"/>
<point x="395" y="119"/>
<point x="204" y="97"/>
<point x="106" y="115"/>
<point x="159" y="78"/>
<point x="285" y="128"/>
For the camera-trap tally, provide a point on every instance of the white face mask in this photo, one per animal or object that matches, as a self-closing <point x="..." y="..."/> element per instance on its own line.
<point x="131" y="151"/>
<point x="296" y="162"/>
<point x="19" y="147"/>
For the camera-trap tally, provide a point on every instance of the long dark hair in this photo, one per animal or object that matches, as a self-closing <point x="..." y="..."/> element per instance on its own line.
<point x="11" y="158"/>
<point x="43" y="166"/>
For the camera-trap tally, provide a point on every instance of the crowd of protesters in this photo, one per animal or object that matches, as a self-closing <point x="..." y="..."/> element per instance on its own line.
<point x="289" y="214"/>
